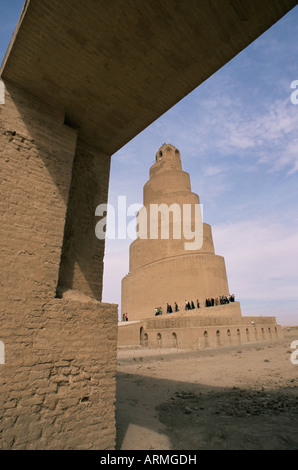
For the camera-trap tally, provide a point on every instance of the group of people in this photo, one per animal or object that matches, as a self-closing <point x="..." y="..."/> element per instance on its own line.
<point x="191" y="305"/>
<point x="222" y="300"/>
<point x="158" y="310"/>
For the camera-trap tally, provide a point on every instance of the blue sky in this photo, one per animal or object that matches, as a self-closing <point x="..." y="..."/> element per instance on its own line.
<point x="237" y="134"/>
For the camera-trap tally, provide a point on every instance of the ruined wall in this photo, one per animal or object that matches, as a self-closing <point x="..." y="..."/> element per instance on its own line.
<point x="58" y="382"/>
<point x="199" y="330"/>
<point x="215" y="333"/>
<point x="57" y="385"/>
<point x="129" y="334"/>
<point x="37" y="152"/>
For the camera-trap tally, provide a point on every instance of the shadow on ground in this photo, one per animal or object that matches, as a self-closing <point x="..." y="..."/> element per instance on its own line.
<point x="197" y="417"/>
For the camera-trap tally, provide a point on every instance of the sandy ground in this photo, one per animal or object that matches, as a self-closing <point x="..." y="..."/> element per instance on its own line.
<point x="242" y="397"/>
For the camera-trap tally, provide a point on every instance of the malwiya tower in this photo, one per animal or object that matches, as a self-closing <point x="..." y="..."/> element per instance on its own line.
<point x="165" y="264"/>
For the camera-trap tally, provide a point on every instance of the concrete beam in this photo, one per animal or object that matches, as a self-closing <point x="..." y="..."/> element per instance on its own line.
<point x="115" y="67"/>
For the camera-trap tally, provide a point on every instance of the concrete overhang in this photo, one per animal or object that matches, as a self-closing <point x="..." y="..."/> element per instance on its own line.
<point x="114" y="66"/>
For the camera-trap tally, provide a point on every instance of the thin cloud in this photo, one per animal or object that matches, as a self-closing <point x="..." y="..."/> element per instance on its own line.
<point x="261" y="257"/>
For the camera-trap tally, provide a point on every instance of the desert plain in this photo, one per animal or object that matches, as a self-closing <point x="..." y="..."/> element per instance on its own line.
<point x="241" y="397"/>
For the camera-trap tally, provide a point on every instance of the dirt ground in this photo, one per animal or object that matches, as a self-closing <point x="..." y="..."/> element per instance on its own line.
<point x="238" y="398"/>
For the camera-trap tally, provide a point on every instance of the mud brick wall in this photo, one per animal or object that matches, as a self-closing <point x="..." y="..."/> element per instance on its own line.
<point x="82" y="255"/>
<point x="199" y="330"/>
<point x="57" y="383"/>
<point x="36" y="157"/>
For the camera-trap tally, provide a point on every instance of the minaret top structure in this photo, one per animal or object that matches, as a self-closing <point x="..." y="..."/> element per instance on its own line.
<point x="167" y="158"/>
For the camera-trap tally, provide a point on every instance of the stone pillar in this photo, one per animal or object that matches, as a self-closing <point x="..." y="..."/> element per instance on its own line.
<point x="57" y="385"/>
<point x="81" y="266"/>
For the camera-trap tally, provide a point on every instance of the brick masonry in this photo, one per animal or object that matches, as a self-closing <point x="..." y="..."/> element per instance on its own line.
<point x="82" y="255"/>
<point x="205" y="328"/>
<point x="78" y="64"/>
<point x="58" y="381"/>
<point x="57" y="385"/>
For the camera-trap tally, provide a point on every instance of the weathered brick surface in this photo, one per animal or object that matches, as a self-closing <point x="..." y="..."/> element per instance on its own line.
<point x="58" y="382"/>
<point x="57" y="386"/>
<point x="36" y="156"/>
<point x="82" y="255"/>
<point x="199" y="329"/>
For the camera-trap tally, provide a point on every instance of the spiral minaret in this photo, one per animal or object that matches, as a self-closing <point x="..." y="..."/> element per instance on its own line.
<point x="167" y="269"/>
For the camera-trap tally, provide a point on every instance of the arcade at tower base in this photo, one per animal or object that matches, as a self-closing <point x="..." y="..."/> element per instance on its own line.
<point x="199" y="330"/>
